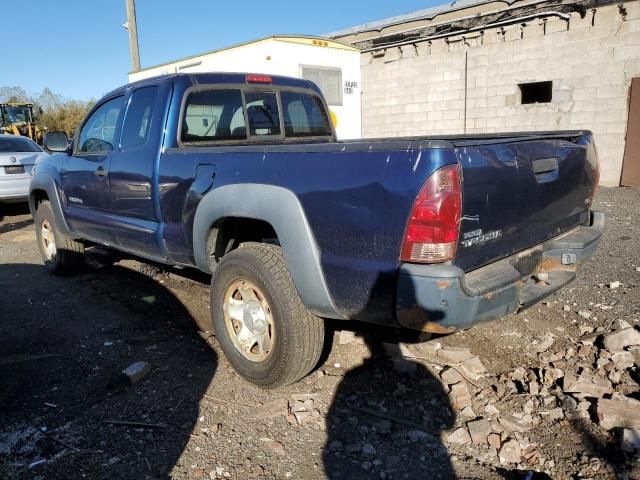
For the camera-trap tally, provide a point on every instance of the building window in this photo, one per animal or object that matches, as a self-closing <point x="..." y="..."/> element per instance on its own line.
<point x="328" y="79"/>
<point x="536" y="92"/>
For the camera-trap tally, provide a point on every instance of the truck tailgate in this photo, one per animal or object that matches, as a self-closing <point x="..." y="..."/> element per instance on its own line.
<point x="520" y="191"/>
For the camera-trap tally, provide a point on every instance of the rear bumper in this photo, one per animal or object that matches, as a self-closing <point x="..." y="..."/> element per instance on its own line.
<point x="442" y="298"/>
<point x="14" y="189"/>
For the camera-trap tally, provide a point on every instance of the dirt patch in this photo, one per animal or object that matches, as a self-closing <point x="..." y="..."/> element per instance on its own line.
<point x="377" y="407"/>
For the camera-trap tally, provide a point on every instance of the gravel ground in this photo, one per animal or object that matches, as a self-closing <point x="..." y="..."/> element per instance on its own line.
<point x="375" y="408"/>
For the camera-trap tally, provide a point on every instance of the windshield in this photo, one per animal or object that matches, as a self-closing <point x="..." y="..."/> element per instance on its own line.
<point x="16" y="114"/>
<point x="17" y="144"/>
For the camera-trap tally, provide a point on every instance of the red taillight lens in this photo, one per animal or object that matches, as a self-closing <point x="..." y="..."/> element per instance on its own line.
<point x="253" y="78"/>
<point x="432" y="231"/>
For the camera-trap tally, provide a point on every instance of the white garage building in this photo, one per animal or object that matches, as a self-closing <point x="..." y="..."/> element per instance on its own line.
<point x="332" y="65"/>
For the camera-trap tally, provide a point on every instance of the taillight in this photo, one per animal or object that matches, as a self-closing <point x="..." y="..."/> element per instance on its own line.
<point x="432" y="231"/>
<point x="253" y="78"/>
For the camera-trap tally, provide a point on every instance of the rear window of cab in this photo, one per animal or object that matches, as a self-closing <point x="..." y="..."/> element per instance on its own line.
<point x="237" y="115"/>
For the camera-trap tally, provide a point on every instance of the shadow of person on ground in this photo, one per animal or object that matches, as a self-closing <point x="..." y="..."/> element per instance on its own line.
<point x="522" y="474"/>
<point x="386" y="418"/>
<point x="63" y="344"/>
<point x="596" y="443"/>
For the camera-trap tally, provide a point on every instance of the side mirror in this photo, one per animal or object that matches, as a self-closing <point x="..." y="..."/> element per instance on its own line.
<point x="56" y="142"/>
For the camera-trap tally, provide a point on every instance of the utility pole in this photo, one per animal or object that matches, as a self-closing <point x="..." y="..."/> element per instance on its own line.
<point x="133" y="34"/>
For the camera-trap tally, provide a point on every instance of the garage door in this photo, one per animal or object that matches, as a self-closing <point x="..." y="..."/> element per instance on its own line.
<point x="631" y="163"/>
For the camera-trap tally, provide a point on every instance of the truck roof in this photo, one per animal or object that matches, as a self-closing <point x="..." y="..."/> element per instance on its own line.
<point x="205" y="78"/>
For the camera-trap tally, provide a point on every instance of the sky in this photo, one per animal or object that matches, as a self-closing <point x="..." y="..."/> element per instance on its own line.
<point x="79" y="48"/>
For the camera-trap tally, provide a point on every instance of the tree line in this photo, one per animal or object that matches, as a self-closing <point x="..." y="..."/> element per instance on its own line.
<point x="53" y="111"/>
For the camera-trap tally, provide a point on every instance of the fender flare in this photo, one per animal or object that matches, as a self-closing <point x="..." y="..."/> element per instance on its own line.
<point x="45" y="181"/>
<point x="282" y="209"/>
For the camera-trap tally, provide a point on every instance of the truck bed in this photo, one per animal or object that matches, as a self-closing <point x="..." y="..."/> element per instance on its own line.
<point x="357" y="196"/>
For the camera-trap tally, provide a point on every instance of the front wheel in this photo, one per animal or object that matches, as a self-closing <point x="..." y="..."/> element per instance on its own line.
<point x="61" y="255"/>
<point x="263" y="328"/>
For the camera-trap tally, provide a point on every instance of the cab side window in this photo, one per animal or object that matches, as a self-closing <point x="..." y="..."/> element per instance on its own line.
<point x="137" y="122"/>
<point x="98" y="132"/>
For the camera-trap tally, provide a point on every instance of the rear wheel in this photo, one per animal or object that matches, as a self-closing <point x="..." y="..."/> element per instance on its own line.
<point x="265" y="331"/>
<point x="61" y="255"/>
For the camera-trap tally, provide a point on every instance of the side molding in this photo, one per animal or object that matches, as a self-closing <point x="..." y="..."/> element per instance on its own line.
<point x="282" y="209"/>
<point x="44" y="181"/>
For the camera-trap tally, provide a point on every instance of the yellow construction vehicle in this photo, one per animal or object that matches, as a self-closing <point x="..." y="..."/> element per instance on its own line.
<point x="17" y="118"/>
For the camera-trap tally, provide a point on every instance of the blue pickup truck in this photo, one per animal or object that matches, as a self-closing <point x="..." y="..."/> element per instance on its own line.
<point x="241" y="176"/>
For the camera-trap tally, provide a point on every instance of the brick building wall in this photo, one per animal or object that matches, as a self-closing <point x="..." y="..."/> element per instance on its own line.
<point x="419" y="89"/>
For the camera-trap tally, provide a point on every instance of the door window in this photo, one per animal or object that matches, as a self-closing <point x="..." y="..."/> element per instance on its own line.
<point x="137" y="122"/>
<point x="262" y="113"/>
<point x="98" y="132"/>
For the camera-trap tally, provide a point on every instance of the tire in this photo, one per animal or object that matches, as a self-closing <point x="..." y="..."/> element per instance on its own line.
<point x="66" y="255"/>
<point x="253" y="282"/>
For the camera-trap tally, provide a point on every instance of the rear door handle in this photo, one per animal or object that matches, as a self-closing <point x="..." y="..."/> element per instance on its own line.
<point x="100" y="172"/>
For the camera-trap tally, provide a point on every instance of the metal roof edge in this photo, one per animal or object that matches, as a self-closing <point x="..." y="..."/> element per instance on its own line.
<point x="243" y="44"/>
<point x="424" y="14"/>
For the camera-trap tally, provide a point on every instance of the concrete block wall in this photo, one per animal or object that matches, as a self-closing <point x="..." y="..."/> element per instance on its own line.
<point x="420" y="89"/>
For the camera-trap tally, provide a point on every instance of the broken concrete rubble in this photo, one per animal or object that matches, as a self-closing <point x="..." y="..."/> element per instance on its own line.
<point x="459" y="437"/>
<point x="479" y="431"/>
<point x="302" y="417"/>
<point x="585" y="329"/>
<point x="543" y="345"/>
<point x="454" y="354"/>
<point x="494" y="440"/>
<point x="467" y="412"/>
<point x="510" y="452"/>
<point x="589" y="339"/>
<point x="473" y="368"/>
<point x="451" y="376"/>
<point x="635" y="351"/>
<point x="459" y="396"/>
<point x="585" y="350"/>
<point x="136" y="371"/>
<point x="553" y="415"/>
<point x="513" y="423"/>
<point x="587" y="384"/>
<point x="618" y="413"/>
<point x="620" y="339"/>
<point x="519" y="374"/>
<point x="551" y="375"/>
<point x="491" y="410"/>
<point x="623" y="360"/>
<point x="531" y="454"/>
<point x="429" y="348"/>
<point x="558" y="388"/>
